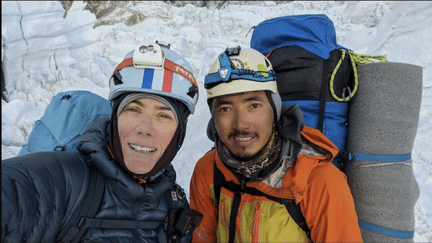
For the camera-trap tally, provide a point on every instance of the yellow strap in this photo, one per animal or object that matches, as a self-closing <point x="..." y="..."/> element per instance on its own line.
<point x="356" y="60"/>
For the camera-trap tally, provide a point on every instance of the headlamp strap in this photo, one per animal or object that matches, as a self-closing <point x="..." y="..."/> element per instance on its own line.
<point x="125" y="63"/>
<point x="174" y="67"/>
<point x="214" y="78"/>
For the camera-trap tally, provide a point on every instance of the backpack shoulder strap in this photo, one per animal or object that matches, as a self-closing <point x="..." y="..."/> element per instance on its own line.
<point x="293" y="209"/>
<point x="218" y="178"/>
<point x="296" y="213"/>
<point x="73" y="230"/>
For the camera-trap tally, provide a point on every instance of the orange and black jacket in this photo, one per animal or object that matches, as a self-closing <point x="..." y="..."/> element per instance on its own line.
<point x="311" y="180"/>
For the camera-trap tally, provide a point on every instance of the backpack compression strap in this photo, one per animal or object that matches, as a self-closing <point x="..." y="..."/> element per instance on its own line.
<point x="324" y="84"/>
<point x="73" y="231"/>
<point x="219" y="181"/>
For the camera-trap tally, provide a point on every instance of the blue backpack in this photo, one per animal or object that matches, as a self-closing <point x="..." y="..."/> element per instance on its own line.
<point x="313" y="71"/>
<point x="64" y="121"/>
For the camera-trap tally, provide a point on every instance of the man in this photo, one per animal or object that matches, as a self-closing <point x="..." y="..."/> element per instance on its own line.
<point x="264" y="159"/>
<point x="132" y="150"/>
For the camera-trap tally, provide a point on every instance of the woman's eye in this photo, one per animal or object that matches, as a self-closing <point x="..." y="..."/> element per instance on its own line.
<point x="131" y="109"/>
<point x="166" y="116"/>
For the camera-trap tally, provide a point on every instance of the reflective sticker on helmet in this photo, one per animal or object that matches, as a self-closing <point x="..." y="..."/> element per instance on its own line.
<point x="147" y="82"/>
<point x="247" y="66"/>
<point x="263" y="69"/>
<point x="237" y="63"/>
<point x="167" y="81"/>
<point x="157" y="80"/>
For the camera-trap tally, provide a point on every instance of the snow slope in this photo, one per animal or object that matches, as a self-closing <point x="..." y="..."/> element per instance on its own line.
<point x="44" y="53"/>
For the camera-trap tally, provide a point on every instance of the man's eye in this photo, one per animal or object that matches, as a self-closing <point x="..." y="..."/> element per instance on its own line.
<point x="224" y="109"/>
<point x="256" y="105"/>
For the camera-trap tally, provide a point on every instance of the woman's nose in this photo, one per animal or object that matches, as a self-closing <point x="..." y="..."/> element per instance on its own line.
<point x="145" y="125"/>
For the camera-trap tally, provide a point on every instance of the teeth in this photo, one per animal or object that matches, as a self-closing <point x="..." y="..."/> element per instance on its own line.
<point x="142" y="149"/>
<point x="243" y="139"/>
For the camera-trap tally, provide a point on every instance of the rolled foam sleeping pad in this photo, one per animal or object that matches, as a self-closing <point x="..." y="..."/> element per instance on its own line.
<point x="382" y="120"/>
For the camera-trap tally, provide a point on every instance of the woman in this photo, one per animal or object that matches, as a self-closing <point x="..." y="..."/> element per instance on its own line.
<point x="152" y="93"/>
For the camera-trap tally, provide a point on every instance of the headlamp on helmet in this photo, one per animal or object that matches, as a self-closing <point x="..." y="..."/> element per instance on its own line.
<point x="236" y="71"/>
<point x="148" y="56"/>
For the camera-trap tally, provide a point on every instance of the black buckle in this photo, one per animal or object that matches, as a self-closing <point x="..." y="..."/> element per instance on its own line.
<point x="117" y="77"/>
<point x="81" y="222"/>
<point x="187" y="221"/>
<point x="59" y="148"/>
<point x="65" y="97"/>
<point x="233" y="51"/>
<point x="163" y="45"/>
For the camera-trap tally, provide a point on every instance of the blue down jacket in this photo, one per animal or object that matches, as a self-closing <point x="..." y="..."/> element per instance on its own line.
<point x="41" y="190"/>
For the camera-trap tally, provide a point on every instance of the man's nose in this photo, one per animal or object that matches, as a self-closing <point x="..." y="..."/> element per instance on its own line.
<point x="242" y="120"/>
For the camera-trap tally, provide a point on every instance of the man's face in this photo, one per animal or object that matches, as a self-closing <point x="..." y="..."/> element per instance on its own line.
<point x="146" y="127"/>
<point x="244" y="122"/>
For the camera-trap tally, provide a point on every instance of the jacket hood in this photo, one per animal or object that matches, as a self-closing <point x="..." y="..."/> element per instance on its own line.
<point x="94" y="143"/>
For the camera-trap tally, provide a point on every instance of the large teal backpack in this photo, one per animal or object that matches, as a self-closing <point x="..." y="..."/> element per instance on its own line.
<point x="65" y="119"/>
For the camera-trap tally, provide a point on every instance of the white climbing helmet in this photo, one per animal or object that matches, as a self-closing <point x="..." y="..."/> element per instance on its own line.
<point x="237" y="71"/>
<point x="152" y="68"/>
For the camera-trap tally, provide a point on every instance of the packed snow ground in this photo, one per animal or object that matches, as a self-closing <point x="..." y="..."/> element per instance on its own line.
<point x="44" y="53"/>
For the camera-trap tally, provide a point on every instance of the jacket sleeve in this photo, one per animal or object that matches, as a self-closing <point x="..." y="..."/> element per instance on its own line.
<point x="328" y="206"/>
<point x="202" y="199"/>
<point x="35" y="194"/>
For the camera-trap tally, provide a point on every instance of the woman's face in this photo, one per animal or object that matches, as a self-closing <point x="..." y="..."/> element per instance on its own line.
<point x="146" y="127"/>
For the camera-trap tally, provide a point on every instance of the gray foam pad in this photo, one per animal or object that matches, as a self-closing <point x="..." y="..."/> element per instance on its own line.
<point x="369" y="236"/>
<point x="383" y="115"/>
<point x="383" y="118"/>
<point x="384" y="195"/>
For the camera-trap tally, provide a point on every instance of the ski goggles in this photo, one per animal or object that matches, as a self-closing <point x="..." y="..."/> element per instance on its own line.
<point x="227" y="74"/>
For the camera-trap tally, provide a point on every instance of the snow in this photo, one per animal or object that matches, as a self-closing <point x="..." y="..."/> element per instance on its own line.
<point x="44" y="53"/>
